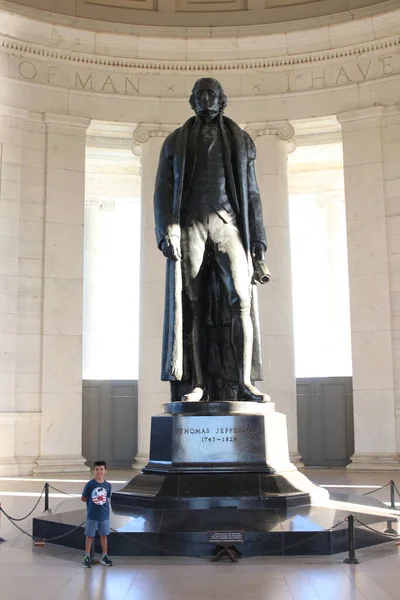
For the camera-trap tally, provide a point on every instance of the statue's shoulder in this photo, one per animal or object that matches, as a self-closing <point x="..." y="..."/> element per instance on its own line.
<point x="169" y="144"/>
<point x="243" y="136"/>
<point x="250" y="146"/>
<point x="174" y="138"/>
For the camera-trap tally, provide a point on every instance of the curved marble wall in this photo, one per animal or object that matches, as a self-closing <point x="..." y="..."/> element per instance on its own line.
<point x="57" y="74"/>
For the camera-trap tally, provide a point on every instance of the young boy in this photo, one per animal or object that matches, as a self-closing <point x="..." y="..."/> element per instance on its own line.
<point x="96" y="494"/>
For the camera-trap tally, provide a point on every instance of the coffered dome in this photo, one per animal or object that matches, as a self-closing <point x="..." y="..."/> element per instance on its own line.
<point x="212" y="13"/>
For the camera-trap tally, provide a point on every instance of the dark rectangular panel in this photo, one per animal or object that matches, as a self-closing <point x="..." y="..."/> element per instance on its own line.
<point x="90" y="422"/>
<point x="333" y="423"/>
<point x="105" y="423"/>
<point x="124" y="425"/>
<point x="110" y="422"/>
<point x="315" y="439"/>
<point x="325" y="420"/>
<point x="349" y="419"/>
<point x="303" y="419"/>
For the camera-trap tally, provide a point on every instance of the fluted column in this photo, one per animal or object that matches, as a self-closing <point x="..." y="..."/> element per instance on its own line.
<point x="391" y="180"/>
<point x="22" y="181"/>
<point x="148" y="140"/>
<point x="372" y="270"/>
<point x="273" y="142"/>
<point x="61" y="382"/>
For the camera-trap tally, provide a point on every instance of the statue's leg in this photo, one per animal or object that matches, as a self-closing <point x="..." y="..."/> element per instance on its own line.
<point x="234" y="274"/>
<point x="193" y="247"/>
<point x="198" y="383"/>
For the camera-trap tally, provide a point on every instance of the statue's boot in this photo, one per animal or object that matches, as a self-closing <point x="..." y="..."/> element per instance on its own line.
<point x="194" y="396"/>
<point x="249" y="393"/>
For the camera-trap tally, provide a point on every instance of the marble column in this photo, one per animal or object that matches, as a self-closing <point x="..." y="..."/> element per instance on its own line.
<point x="391" y="185"/>
<point x="152" y="393"/>
<point x="363" y="133"/>
<point x="22" y="178"/>
<point x="61" y="383"/>
<point x="273" y="142"/>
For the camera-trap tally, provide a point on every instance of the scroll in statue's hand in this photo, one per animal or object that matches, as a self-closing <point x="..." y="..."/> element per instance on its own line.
<point x="171" y="248"/>
<point x="261" y="272"/>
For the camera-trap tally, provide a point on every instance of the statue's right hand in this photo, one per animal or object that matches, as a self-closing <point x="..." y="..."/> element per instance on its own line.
<point x="171" y="248"/>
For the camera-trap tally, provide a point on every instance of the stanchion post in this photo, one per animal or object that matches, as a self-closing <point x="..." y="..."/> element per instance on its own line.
<point x="351" y="560"/>
<point x="389" y="529"/>
<point x="392" y="495"/>
<point x="46" y="496"/>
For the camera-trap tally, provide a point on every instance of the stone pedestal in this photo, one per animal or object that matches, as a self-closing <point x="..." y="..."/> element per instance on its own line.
<point x="216" y="455"/>
<point x="222" y="436"/>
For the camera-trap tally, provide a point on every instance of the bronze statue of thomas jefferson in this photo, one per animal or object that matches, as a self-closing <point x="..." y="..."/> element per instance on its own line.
<point x="209" y="226"/>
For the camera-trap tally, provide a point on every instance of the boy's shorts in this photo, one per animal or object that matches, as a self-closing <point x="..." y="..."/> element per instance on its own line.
<point x="103" y="527"/>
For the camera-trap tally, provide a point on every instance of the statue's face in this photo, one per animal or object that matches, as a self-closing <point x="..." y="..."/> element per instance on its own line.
<point x="206" y="100"/>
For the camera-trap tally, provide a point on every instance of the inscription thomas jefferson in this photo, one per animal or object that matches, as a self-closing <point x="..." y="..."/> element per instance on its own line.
<point x="218" y="430"/>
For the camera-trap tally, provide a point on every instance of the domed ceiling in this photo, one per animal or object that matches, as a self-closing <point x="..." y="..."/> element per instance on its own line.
<point x="212" y="13"/>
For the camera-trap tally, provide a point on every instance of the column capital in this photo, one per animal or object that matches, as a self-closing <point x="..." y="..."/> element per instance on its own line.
<point x="283" y="129"/>
<point x="279" y="129"/>
<point x="145" y="131"/>
<point x="68" y="123"/>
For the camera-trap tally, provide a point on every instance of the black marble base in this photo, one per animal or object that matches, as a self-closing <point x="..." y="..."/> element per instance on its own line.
<point x="221" y="467"/>
<point x="181" y="532"/>
<point x="246" y="490"/>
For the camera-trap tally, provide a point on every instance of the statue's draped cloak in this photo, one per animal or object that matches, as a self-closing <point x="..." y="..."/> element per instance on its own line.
<point x="239" y="156"/>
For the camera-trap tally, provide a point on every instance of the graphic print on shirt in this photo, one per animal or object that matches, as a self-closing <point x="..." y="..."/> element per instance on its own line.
<point x="99" y="496"/>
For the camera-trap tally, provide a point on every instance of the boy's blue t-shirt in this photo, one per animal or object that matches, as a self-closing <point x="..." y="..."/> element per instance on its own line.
<point x="98" y="495"/>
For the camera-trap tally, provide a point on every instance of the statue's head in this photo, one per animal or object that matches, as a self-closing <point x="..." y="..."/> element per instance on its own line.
<point x="207" y="98"/>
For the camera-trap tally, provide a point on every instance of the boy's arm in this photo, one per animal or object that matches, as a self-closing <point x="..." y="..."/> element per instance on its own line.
<point x="84" y="497"/>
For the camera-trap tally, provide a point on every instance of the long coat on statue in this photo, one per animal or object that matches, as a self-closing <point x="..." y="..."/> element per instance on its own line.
<point x="172" y="179"/>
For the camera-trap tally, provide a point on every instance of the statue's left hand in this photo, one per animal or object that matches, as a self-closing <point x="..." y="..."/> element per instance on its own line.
<point x="171" y="248"/>
<point x="257" y="251"/>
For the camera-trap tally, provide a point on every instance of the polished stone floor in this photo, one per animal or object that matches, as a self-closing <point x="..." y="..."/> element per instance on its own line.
<point x="56" y="573"/>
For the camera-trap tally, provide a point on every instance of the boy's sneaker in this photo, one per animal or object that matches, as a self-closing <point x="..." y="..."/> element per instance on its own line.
<point x="87" y="562"/>
<point x="106" y="560"/>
